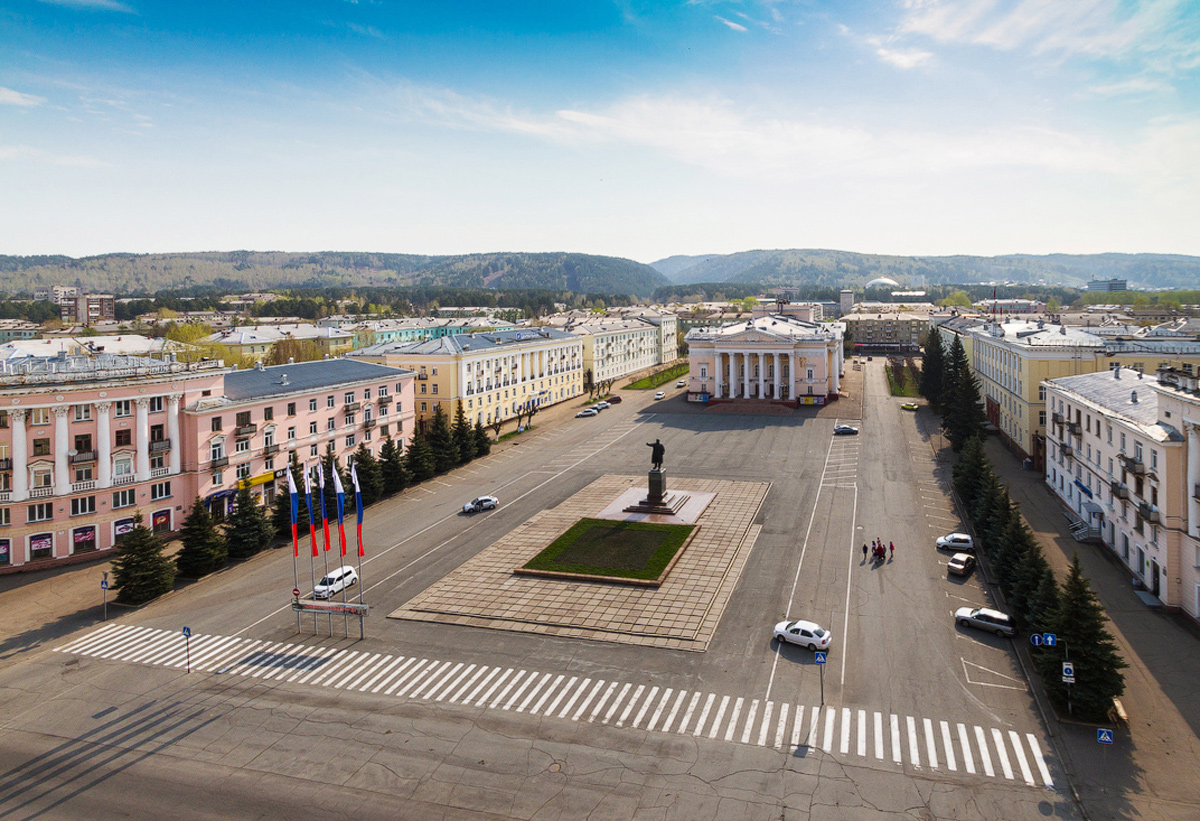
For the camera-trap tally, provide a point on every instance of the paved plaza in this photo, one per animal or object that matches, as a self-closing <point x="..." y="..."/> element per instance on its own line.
<point x="682" y="613"/>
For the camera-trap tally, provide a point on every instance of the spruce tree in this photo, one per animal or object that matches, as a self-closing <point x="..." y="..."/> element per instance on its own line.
<point x="1080" y="625"/>
<point x="1015" y="543"/>
<point x="441" y="442"/>
<point x="969" y="472"/>
<point x="483" y="442"/>
<point x="1043" y="604"/>
<point x="248" y="531"/>
<point x="419" y="459"/>
<point x="464" y="436"/>
<point x="954" y="363"/>
<point x="329" y="464"/>
<point x="932" y="365"/>
<point x="141" y="572"/>
<point x="392" y="468"/>
<point x="965" y="418"/>
<point x="203" y="549"/>
<point x="1029" y="576"/>
<point x="370" y="477"/>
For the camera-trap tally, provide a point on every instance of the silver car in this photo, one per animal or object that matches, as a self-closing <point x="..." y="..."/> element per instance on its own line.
<point x="984" y="618"/>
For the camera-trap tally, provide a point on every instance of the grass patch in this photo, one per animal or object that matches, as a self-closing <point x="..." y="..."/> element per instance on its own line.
<point x="600" y="547"/>
<point x="656" y="380"/>
<point x="513" y="433"/>
<point x="903" y="378"/>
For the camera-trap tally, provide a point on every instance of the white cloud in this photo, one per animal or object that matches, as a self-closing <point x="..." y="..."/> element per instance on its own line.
<point x="905" y="58"/>
<point x="11" y="97"/>
<point x="27" y="153"/>
<point x="730" y="23"/>
<point x="92" y="5"/>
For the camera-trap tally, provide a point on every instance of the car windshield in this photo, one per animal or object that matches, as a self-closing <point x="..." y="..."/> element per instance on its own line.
<point x="819" y="632"/>
<point x="325" y="582"/>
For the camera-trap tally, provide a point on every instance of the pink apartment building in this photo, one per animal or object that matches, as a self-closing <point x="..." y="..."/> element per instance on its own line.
<point x="88" y="441"/>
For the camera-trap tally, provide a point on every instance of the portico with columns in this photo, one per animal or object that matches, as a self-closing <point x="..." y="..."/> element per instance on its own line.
<point x="776" y="358"/>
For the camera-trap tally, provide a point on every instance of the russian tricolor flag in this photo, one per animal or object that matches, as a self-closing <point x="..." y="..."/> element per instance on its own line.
<point x="295" y="512"/>
<point x="324" y="515"/>
<point x="312" y="526"/>
<point x="341" y="507"/>
<point x="357" y="506"/>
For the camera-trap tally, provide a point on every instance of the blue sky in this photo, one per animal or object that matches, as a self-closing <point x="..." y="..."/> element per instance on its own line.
<point x="628" y="128"/>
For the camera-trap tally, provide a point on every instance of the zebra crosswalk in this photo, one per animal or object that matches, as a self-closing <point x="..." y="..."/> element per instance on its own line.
<point x="887" y="739"/>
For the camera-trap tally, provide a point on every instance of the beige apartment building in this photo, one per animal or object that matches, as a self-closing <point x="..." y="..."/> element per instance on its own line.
<point x="493" y="374"/>
<point x="890" y="332"/>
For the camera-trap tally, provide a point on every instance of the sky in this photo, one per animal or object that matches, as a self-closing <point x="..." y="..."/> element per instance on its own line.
<point x="627" y="128"/>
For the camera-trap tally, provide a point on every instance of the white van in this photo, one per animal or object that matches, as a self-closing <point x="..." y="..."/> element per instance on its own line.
<point x="335" y="582"/>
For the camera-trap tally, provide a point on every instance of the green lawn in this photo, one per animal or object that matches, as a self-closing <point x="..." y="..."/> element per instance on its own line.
<point x="599" y="547"/>
<point x="661" y="378"/>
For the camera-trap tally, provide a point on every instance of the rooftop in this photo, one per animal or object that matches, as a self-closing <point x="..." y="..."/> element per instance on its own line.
<point x="296" y="377"/>
<point x="457" y="343"/>
<point x="1122" y="392"/>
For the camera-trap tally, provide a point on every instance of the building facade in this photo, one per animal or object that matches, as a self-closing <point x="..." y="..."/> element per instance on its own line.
<point x="772" y="357"/>
<point x="894" y="332"/>
<point x="492" y="374"/>
<point x="87" y="309"/>
<point x="255" y="341"/>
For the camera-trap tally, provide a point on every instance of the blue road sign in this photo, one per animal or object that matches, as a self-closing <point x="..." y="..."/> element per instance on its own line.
<point x="187" y="632"/>
<point x="1068" y="668"/>
<point x="104" y="584"/>
<point x="1035" y="639"/>
<point x="1050" y="639"/>
<point x="819" y="657"/>
<point x="1104" y="736"/>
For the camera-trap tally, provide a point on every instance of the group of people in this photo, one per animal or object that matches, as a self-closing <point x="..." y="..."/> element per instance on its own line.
<point x="878" y="551"/>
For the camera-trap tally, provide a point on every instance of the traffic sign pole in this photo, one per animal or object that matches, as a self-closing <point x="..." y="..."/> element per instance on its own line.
<point x="820" y="658"/>
<point x="187" y="638"/>
<point x="104" y="594"/>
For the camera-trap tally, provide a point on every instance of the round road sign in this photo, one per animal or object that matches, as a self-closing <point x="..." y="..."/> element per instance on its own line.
<point x="296" y="592"/>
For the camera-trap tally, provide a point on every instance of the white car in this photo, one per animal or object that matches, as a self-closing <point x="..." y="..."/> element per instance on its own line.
<point x="804" y="633"/>
<point x="587" y="412"/>
<point x="482" y="503"/>
<point x="984" y="618"/>
<point x="682" y="383"/>
<point x="660" y="395"/>
<point x="960" y="542"/>
<point x="335" y="582"/>
<point x="601" y="406"/>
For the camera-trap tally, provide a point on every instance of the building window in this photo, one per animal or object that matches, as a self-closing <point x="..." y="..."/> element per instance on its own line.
<point x="366" y="394"/>
<point x="39" y="416"/>
<point x="348" y="397"/>
<point x="217" y="478"/>
<point x="291" y="408"/>
<point x="243" y="471"/>
<point x="124" y="438"/>
<point x="350" y="441"/>
<point x="241" y="446"/>
<point x="41" y="447"/>
<point x="312" y="450"/>
<point x="216" y="448"/>
<point x="83" y="505"/>
<point x="399" y="387"/>
<point x="312" y="427"/>
<point x="1042" y="418"/>
<point x="268" y="413"/>
<point x="4" y="419"/>
<point x="243" y="418"/>
<point x="350" y="418"/>
<point x="42" y="512"/>
<point x="269" y="463"/>
<point x="269" y="437"/>
<point x="160" y="490"/>
<point x="383" y="391"/>
<point x="291" y="434"/>
<point x="123" y="467"/>
<point x="123" y="407"/>
<point x="83" y="413"/>
<point x="422" y="407"/>
<point x="1154" y="460"/>
<point x="5" y="517"/>
<point x="156" y="404"/>
<point x="216" y="423"/>
<point x="331" y="424"/>
<point x="83" y="473"/>
<point x="329" y="401"/>
<point x="383" y="430"/>
<point x="422" y="387"/>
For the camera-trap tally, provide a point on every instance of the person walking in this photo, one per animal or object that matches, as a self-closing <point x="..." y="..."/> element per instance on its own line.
<point x="892" y="548"/>
<point x="864" y="552"/>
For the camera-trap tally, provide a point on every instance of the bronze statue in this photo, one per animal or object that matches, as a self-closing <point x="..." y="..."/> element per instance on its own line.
<point x="657" y="451"/>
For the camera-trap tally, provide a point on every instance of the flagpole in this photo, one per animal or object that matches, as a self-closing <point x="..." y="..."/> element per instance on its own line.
<point x="340" y="495"/>
<point x="312" y="534"/>
<point x="294" y="499"/>
<point x="358" y="507"/>
<point x="324" y="526"/>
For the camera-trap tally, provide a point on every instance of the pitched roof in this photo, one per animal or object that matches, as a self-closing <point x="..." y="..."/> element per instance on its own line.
<point x="254" y="383"/>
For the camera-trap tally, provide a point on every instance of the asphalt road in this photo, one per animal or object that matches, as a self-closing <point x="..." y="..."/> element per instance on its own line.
<point x="95" y="738"/>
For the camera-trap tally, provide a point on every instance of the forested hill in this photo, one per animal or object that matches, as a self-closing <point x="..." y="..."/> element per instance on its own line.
<point x="845" y="268"/>
<point x="252" y="270"/>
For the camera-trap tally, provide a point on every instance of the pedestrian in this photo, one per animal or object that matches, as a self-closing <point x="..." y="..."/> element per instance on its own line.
<point x="892" y="547"/>
<point x="864" y="552"/>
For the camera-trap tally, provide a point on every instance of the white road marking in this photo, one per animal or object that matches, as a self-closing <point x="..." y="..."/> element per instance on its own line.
<point x="985" y="757"/>
<point x="948" y="745"/>
<point x="733" y="718"/>
<point x="645" y="706"/>
<point x="879" y="735"/>
<point x="749" y="721"/>
<point x="895" y="729"/>
<point x="1003" y="753"/>
<point x="914" y="754"/>
<point x="965" y="743"/>
<point x="699" y="728"/>
<point x="1036" y="749"/>
<point x="1022" y="761"/>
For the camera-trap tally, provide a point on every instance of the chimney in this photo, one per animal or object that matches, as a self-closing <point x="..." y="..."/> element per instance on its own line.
<point x="1133" y="397"/>
<point x="1117" y="372"/>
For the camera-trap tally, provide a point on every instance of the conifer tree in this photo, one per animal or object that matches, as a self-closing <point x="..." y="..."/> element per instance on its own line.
<point x="1080" y="625"/>
<point x="203" y="549"/>
<point x="392" y="468"/>
<point x="464" y="437"/>
<point x="248" y="531"/>
<point x="329" y="464"/>
<point x="1015" y="543"/>
<point x="932" y="366"/>
<point x="441" y="442"/>
<point x="370" y="477"/>
<point x="954" y="363"/>
<point x="969" y="472"/>
<point x="965" y="418"/>
<point x="419" y="459"/>
<point x="141" y="572"/>
<point x="1043" y="603"/>
<point x="1029" y="576"/>
<point x="483" y="442"/>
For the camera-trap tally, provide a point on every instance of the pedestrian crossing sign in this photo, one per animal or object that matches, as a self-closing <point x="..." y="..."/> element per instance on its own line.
<point x="1104" y="736"/>
<point x="819" y="657"/>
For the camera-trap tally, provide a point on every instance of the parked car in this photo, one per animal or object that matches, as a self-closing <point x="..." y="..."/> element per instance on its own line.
<point x="983" y="618"/>
<point x="804" y="633"/>
<point x="956" y="541"/>
<point x="587" y="412"/>
<point x="682" y="383"/>
<point x="601" y="406"/>
<point x="659" y="395"/>
<point x="335" y="581"/>
<point x="482" y="503"/>
<point x="961" y="564"/>
<point x="912" y="406"/>
<point x="615" y="400"/>
<point x="845" y="430"/>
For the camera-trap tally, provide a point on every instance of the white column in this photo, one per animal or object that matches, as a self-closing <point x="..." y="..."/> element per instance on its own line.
<point x="1193" y="476"/>
<point x="142" y="468"/>
<point x="746" y="375"/>
<point x="103" y="445"/>
<point x="717" y="366"/>
<point x="173" y="432"/>
<point x="20" y="456"/>
<point x="62" y="443"/>
<point x="792" y="374"/>
<point x="762" y="375"/>
<point x="778" y="362"/>
<point x="835" y="381"/>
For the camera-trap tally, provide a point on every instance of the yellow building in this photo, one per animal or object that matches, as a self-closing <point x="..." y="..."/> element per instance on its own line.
<point x="255" y="341"/>
<point x="493" y="374"/>
<point x="1012" y="359"/>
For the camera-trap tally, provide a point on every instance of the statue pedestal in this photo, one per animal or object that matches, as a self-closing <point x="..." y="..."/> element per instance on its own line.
<point x="658" y="500"/>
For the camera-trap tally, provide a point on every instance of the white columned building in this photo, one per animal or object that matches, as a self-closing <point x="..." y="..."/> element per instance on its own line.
<point x="20" y="456"/>
<point x="173" y="458"/>
<point x="104" y="445"/>
<point x="62" y="444"/>
<point x="142" y="465"/>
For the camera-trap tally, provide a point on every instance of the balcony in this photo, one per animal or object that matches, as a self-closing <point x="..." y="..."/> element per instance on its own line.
<point x="158" y="473"/>
<point x="1133" y="464"/>
<point x="5" y="496"/>
<point x="1120" y="491"/>
<point x="351" y="407"/>
<point x="5" y="464"/>
<point x="270" y="450"/>
<point x="386" y="399"/>
<point x="83" y="487"/>
<point x="1066" y="450"/>
<point x="41" y="492"/>
<point x="1056" y="418"/>
<point x="1148" y="512"/>
<point x="219" y="462"/>
<point x="83" y="456"/>
<point x="1075" y="428"/>
<point x="160" y="445"/>
<point x="368" y="423"/>
<point x="1196" y="492"/>
<point x="127" y="479"/>
<point x="422" y="376"/>
<point x="245" y="430"/>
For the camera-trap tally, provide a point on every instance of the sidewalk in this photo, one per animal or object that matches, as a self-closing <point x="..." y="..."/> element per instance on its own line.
<point x="1151" y="769"/>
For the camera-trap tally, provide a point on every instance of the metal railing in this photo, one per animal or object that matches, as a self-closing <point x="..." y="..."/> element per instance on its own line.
<point x="270" y="450"/>
<point x="219" y="462"/>
<point x="1148" y="512"/>
<point x="160" y="445"/>
<point x="246" y="430"/>
<point x="83" y="456"/>
<point x="351" y="407"/>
